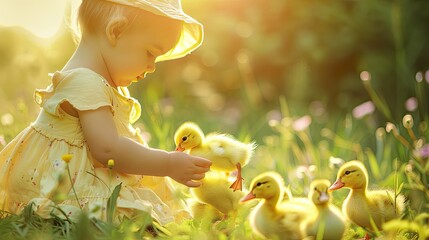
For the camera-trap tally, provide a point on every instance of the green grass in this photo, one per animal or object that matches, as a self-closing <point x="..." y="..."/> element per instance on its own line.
<point x="299" y="155"/>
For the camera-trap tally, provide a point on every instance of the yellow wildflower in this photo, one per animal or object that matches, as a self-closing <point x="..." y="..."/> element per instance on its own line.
<point x="67" y="157"/>
<point x="111" y="163"/>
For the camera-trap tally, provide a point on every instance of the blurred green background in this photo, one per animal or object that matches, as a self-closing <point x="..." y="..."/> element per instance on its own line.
<point x="255" y="52"/>
<point x="287" y="74"/>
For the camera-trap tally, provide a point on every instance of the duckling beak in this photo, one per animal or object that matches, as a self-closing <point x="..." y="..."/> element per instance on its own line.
<point x="179" y="148"/>
<point x="323" y="197"/>
<point x="337" y="185"/>
<point x="248" y="197"/>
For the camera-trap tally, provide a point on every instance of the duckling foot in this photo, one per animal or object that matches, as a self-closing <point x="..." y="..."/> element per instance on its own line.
<point x="238" y="183"/>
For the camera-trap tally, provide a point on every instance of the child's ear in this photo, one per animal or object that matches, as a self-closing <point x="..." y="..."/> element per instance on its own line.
<point x="115" y="28"/>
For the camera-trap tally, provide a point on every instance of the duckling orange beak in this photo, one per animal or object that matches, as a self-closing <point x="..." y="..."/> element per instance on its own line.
<point x="337" y="185"/>
<point x="248" y="197"/>
<point x="179" y="148"/>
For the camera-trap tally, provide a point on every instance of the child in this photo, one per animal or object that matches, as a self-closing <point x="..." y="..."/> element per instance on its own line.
<point x="87" y="113"/>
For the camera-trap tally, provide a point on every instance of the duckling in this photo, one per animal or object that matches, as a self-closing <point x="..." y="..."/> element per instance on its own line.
<point x="287" y="194"/>
<point x="214" y="191"/>
<point x="226" y="153"/>
<point x="273" y="217"/>
<point x="364" y="206"/>
<point x="202" y="211"/>
<point x="328" y="222"/>
<point x="289" y="198"/>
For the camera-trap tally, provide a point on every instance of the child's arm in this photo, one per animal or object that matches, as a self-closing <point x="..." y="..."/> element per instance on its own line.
<point x="132" y="157"/>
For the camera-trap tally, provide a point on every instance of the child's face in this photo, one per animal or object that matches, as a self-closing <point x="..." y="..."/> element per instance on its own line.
<point x="136" y="49"/>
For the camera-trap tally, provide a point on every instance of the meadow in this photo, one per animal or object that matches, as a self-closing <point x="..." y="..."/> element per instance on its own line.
<point x="300" y="148"/>
<point x="310" y="97"/>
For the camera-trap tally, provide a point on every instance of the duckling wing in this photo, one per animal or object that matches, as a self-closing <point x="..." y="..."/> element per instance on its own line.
<point x="383" y="205"/>
<point x="291" y="219"/>
<point x="217" y="148"/>
<point x="224" y="155"/>
<point x="230" y="150"/>
<point x="377" y="207"/>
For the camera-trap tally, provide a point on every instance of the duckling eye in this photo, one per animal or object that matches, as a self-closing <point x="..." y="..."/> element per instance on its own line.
<point x="260" y="183"/>
<point x="315" y="189"/>
<point x="347" y="172"/>
<point x="185" y="138"/>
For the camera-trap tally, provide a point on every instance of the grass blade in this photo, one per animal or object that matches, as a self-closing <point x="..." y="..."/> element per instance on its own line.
<point x="111" y="203"/>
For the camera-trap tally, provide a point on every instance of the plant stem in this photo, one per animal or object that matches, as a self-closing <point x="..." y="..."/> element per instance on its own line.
<point x="378" y="101"/>
<point x="72" y="185"/>
<point x="412" y="135"/>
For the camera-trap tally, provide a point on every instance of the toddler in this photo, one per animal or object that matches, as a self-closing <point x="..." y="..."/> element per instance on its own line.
<point x="86" y="116"/>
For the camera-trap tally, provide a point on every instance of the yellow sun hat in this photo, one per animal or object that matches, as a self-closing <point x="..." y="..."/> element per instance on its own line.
<point x="192" y="31"/>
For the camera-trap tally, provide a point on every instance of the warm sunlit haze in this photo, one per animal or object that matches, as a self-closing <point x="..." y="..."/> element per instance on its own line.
<point x="42" y="17"/>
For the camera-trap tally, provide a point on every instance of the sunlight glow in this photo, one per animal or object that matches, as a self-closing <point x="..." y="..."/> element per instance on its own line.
<point x="42" y="17"/>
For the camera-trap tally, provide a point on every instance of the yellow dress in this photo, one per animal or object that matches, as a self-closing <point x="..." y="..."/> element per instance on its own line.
<point x="32" y="170"/>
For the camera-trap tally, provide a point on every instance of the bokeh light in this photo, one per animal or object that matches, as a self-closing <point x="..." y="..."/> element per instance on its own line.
<point x="42" y="17"/>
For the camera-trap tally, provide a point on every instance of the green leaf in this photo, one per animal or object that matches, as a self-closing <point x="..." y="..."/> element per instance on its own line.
<point x="399" y="190"/>
<point x="373" y="164"/>
<point x="111" y="203"/>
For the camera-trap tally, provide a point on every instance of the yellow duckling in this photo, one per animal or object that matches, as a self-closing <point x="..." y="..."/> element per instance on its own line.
<point x="328" y="223"/>
<point x="202" y="211"/>
<point x="214" y="191"/>
<point x="288" y="197"/>
<point x="287" y="194"/>
<point x="363" y="207"/>
<point x="226" y="153"/>
<point x="272" y="217"/>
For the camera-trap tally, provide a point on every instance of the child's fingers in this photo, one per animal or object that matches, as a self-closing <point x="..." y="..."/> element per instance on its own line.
<point x="198" y="176"/>
<point x="202" y="162"/>
<point x="192" y="184"/>
<point x="201" y="169"/>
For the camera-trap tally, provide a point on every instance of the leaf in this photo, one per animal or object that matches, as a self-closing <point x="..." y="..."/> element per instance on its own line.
<point x="421" y="217"/>
<point x="161" y="230"/>
<point x="373" y="164"/>
<point x="399" y="190"/>
<point x="373" y="225"/>
<point x="111" y="203"/>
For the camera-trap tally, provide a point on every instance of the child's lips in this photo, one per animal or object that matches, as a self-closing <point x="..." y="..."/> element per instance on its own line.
<point x="141" y="76"/>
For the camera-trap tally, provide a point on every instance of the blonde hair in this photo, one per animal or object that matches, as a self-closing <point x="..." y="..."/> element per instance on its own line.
<point x="94" y="15"/>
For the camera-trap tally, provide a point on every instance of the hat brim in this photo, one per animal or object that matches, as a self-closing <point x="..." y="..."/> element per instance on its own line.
<point x="192" y="31"/>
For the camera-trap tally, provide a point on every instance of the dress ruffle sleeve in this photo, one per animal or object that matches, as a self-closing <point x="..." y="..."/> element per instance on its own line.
<point x="83" y="89"/>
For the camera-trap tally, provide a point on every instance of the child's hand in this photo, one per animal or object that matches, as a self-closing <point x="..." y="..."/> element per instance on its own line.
<point x="184" y="168"/>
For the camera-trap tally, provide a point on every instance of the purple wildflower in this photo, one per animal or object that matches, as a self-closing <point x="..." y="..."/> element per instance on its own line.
<point x="363" y="109"/>
<point x="422" y="152"/>
<point x="411" y="104"/>
<point x="302" y="123"/>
